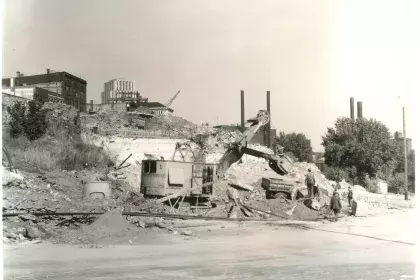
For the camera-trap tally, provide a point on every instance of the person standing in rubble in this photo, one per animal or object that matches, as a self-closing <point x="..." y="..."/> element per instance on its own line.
<point x="310" y="182"/>
<point x="350" y="197"/>
<point x="336" y="204"/>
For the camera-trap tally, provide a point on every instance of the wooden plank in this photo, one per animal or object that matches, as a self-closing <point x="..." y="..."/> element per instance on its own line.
<point x="163" y="199"/>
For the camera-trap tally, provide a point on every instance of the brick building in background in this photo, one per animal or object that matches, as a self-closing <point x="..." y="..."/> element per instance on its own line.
<point x="62" y="85"/>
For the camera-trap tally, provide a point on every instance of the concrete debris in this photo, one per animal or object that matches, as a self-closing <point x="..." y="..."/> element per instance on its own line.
<point x="187" y="233"/>
<point x="36" y="232"/>
<point x="21" y="231"/>
<point x="9" y="177"/>
<point x="241" y="185"/>
<point x="233" y="213"/>
<point x="28" y="217"/>
<point x="312" y="204"/>
<point x="290" y="212"/>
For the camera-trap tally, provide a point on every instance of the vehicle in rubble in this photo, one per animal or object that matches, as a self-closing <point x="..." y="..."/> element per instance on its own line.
<point x="166" y="177"/>
<point x="279" y="187"/>
<point x="161" y="177"/>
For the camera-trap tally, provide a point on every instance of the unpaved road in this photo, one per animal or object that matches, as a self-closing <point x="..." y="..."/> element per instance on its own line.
<point x="241" y="252"/>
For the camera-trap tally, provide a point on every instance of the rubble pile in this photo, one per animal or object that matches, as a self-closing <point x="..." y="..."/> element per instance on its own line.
<point x="175" y="126"/>
<point x="301" y="168"/>
<point x="143" y="110"/>
<point x="372" y="203"/>
<point x="214" y="145"/>
<point x="106" y="120"/>
<point x="127" y="124"/>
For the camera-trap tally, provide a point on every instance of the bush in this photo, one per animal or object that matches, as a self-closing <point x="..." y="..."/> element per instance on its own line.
<point x="396" y="184"/>
<point x="371" y="184"/>
<point x="337" y="174"/>
<point x="48" y="154"/>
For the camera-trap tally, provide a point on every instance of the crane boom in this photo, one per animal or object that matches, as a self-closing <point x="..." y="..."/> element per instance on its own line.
<point x="281" y="164"/>
<point x="169" y="103"/>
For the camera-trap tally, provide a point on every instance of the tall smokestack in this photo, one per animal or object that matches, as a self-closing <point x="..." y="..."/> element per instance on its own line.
<point x="48" y="71"/>
<point x="268" y="127"/>
<point x="242" y="111"/>
<point x="359" y="110"/>
<point x="352" y="108"/>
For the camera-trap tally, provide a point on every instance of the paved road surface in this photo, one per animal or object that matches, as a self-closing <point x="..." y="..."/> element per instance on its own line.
<point x="256" y="252"/>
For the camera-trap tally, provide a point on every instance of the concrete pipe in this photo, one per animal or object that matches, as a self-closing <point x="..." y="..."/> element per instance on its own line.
<point x="97" y="189"/>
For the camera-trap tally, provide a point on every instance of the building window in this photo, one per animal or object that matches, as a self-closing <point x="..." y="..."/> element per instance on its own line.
<point x="149" y="167"/>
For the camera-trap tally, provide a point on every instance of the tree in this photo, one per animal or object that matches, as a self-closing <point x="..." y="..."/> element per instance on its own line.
<point x="31" y="123"/>
<point x="17" y="119"/>
<point x="361" y="146"/>
<point x="36" y="124"/>
<point x="295" y="143"/>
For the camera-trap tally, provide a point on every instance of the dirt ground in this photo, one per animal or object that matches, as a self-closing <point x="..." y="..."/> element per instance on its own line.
<point x="248" y="250"/>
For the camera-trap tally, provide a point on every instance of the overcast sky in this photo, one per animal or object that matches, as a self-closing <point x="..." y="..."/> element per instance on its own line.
<point x="312" y="55"/>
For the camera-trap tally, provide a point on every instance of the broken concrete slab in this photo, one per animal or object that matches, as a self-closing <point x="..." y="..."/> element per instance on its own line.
<point x="21" y="231"/>
<point x="290" y="212"/>
<point x="9" y="176"/>
<point x="187" y="233"/>
<point x="312" y="204"/>
<point x="36" y="232"/>
<point x="241" y="185"/>
<point x="28" y="217"/>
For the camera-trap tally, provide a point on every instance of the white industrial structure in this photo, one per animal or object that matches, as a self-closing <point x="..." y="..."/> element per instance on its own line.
<point x="118" y="89"/>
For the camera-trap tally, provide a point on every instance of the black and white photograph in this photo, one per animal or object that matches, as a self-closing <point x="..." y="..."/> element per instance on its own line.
<point x="209" y="139"/>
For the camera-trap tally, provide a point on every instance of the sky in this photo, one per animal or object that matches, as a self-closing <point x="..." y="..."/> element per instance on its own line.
<point x="312" y="55"/>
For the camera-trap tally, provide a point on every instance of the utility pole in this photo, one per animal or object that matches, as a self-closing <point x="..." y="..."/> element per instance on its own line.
<point x="405" y="159"/>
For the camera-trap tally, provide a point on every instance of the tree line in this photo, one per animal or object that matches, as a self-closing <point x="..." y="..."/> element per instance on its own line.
<point x="360" y="151"/>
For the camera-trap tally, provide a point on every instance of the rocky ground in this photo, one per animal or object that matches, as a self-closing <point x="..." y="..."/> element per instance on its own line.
<point x="53" y="192"/>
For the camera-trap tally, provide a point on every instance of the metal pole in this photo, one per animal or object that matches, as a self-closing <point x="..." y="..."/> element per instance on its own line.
<point x="405" y="159"/>
<point x="268" y="127"/>
<point x="242" y="111"/>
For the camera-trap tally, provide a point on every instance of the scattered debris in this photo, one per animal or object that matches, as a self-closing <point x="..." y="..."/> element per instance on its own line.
<point x="241" y="185"/>
<point x="187" y="233"/>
